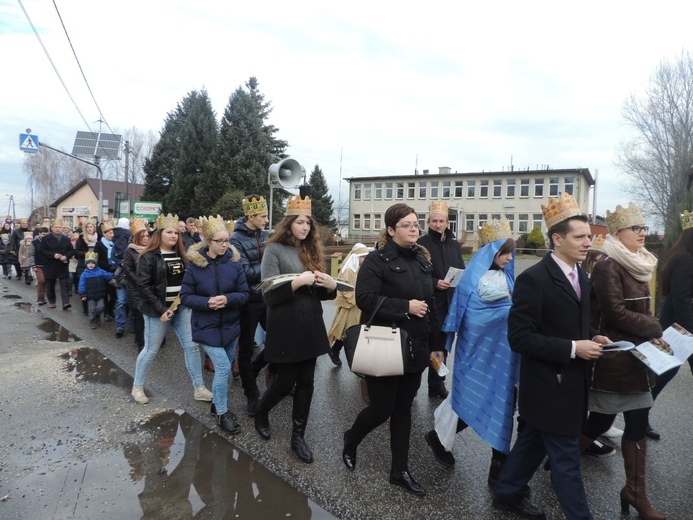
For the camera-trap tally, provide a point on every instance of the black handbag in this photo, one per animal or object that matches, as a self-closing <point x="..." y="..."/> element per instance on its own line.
<point x="375" y="350"/>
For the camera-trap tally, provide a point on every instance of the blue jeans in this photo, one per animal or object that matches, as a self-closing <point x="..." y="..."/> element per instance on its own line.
<point x="155" y="331"/>
<point x="222" y="357"/>
<point x="121" y="308"/>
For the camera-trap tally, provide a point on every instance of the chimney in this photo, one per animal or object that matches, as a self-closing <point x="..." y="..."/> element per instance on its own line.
<point x="443" y="170"/>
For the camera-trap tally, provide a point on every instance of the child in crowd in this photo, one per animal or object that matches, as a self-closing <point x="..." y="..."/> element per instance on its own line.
<point x="24" y="258"/>
<point x="92" y="288"/>
<point x="5" y="259"/>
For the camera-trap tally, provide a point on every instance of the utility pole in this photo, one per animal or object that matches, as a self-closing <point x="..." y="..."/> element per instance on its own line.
<point x="127" y="162"/>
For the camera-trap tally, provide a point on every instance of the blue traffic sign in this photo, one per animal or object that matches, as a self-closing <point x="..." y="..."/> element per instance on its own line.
<point x="28" y="143"/>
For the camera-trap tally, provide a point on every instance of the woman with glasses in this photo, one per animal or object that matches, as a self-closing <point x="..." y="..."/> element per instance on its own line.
<point x="620" y="310"/>
<point x="296" y="333"/>
<point x="400" y="270"/>
<point x="214" y="287"/>
<point x="140" y="239"/>
<point x="159" y="276"/>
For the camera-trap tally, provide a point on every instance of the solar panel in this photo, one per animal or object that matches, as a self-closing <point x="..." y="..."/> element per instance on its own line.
<point x="93" y="144"/>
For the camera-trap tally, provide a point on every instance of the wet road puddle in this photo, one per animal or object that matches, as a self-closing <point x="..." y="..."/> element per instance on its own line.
<point x="57" y="332"/>
<point x="175" y="467"/>
<point x="27" y="307"/>
<point x="12" y="296"/>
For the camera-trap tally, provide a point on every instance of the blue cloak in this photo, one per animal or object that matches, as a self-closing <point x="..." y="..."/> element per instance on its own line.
<point x="485" y="370"/>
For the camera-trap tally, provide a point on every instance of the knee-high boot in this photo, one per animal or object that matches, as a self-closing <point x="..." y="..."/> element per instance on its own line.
<point x="634" y="492"/>
<point x="299" y="417"/>
<point x="269" y="400"/>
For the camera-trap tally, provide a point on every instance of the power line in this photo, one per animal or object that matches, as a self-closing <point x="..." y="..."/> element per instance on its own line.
<point x="53" y="64"/>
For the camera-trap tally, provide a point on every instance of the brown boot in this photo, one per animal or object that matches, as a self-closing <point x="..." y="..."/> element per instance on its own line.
<point x="634" y="492"/>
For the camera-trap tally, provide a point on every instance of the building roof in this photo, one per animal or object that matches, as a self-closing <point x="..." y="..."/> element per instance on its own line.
<point x="109" y="190"/>
<point x="585" y="172"/>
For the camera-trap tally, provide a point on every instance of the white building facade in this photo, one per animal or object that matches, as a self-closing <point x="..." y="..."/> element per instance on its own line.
<point x="473" y="198"/>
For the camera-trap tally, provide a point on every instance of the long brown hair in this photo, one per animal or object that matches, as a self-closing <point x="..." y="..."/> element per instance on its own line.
<point x="311" y="253"/>
<point x="155" y="244"/>
<point x="682" y="247"/>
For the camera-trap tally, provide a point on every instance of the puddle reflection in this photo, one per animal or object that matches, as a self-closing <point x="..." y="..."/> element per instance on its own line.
<point x="28" y="307"/>
<point x="57" y="332"/>
<point x="88" y="364"/>
<point x="12" y="296"/>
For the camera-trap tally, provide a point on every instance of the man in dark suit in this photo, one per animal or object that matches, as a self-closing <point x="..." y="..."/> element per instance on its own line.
<point x="549" y="325"/>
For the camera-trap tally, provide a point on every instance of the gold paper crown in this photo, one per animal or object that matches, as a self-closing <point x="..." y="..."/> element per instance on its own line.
<point x="230" y="226"/>
<point x="106" y="226"/>
<point x="622" y="218"/>
<point x="438" y="206"/>
<point x="137" y="224"/>
<point x="91" y="256"/>
<point x="560" y="209"/>
<point x="686" y="220"/>
<point x="166" y="221"/>
<point x="597" y="243"/>
<point x="495" y="230"/>
<point x="254" y="206"/>
<point x="298" y="206"/>
<point x="210" y="225"/>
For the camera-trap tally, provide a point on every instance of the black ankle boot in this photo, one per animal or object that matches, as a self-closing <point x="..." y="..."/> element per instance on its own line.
<point x="299" y="419"/>
<point x="228" y="422"/>
<point x="349" y="453"/>
<point x="269" y="400"/>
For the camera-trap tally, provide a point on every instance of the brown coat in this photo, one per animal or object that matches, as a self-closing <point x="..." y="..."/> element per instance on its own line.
<point x="620" y="310"/>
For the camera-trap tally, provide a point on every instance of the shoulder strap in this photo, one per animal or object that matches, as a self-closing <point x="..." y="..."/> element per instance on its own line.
<point x="375" y="311"/>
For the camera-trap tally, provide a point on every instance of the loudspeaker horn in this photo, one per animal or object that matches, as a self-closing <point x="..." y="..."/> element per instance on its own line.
<point x="287" y="173"/>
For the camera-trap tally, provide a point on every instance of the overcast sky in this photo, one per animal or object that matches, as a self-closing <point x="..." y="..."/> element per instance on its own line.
<point x="389" y="83"/>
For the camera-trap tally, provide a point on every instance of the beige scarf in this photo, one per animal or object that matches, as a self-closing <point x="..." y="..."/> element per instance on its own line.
<point x="639" y="265"/>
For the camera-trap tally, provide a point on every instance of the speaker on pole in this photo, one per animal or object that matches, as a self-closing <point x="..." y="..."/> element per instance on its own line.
<point x="286" y="174"/>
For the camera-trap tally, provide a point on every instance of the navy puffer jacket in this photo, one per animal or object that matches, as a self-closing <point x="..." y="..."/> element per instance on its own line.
<point x="206" y="277"/>
<point x="250" y="243"/>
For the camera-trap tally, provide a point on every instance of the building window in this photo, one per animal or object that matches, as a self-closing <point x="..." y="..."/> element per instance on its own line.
<point x="458" y="189"/>
<point x="483" y="218"/>
<point x="423" y="189"/>
<point x="537" y="219"/>
<point x="411" y="190"/>
<point x="400" y="191"/>
<point x="471" y="189"/>
<point x="469" y="223"/>
<point x="510" y="188"/>
<point x="497" y="189"/>
<point x="496" y="216"/>
<point x="378" y="190"/>
<point x="522" y="221"/>
<point x="434" y="190"/>
<point x="388" y="191"/>
<point x="357" y="221"/>
<point x="538" y="187"/>
<point x="377" y="221"/>
<point x="357" y="192"/>
<point x="569" y="185"/>
<point x="446" y="189"/>
<point x="553" y="187"/>
<point x="422" y="223"/>
<point x="483" y="189"/>
<point x="367" y="191"/>
<point x="367" y="221"/>
<point x="511" y="220"/>
<point x="524" y="188"/>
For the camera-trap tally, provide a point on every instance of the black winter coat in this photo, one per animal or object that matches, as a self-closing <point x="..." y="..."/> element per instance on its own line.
<point x="151" y="282"/>
<point x="400" y="274"/>
<point x="52" y="244"/>
<point x="129" y="277"/>
<point x="250" y="243"/>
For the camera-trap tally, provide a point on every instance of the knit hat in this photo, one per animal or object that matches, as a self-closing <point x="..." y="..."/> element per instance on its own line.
<point x="123" y="223"/>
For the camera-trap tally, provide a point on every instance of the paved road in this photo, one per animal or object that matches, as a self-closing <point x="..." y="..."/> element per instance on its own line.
<point x="54" y="420"/>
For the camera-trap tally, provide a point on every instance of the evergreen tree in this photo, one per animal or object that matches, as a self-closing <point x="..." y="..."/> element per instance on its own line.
<point x="158" y="169"/>
<point x="322" y="210"/>
<point x="197" y="138"/>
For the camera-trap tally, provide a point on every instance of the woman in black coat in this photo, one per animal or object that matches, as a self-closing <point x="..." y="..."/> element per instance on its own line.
<point x="140" y="239"/>
<point x="401" y="271"/>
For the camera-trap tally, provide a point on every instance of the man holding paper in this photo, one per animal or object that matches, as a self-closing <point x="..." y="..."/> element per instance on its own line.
<point x="446" y="252"/>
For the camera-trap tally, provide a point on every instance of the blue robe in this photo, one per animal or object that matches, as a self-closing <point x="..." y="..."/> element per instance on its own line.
<point x="485" y="370"/>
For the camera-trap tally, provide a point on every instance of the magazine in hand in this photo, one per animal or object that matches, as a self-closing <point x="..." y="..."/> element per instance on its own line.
<point x="275" y="281"/>
<point x="453" y="276"/>
<point x="675" y="346"/>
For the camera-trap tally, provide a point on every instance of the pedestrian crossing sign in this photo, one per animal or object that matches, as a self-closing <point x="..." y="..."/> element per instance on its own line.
<point x="28" y="143"/>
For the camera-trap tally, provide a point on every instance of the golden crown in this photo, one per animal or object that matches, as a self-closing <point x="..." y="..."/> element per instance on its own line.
<point x="230" y="226"/>
<point x="166" y="221"/>
<point x="210" y="225"/>
<point x="438" y="206"/>
<point x="298" y="206"/>
<point x="91" y="256"/>
<point x="137" y="224"/>
<point x="622" y="218"/>
<point x="495" y="230"/>
<point x="254" y="206"/>
<point x="560" y="209"/>
<point x="686" y="220"/>
<point x="107" y="226"/>
<point x="597" y="243"/>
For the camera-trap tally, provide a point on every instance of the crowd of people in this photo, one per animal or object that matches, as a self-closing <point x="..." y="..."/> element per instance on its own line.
<point x="532" y="344"/>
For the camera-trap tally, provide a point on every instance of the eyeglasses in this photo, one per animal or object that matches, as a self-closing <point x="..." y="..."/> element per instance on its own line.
<point x="408" y="226"/>
<point x="221" y="242"/>
<point x="638" y="229"/>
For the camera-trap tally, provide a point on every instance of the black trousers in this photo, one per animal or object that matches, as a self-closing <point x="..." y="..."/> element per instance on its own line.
<point x="251" y="314"/>
<point x="298" y="374"/>
<point x="636" y="424"/>
<point x="390" y="397"/>
<point x="64" y="290"/>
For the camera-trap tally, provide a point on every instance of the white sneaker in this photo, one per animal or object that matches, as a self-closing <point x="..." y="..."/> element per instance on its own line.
<point x="139" y="395"/>
<point x="202" y="394"/>
<point x="613" y="433"/>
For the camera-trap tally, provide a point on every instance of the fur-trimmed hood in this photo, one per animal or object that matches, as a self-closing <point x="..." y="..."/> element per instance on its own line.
<point x="382" y="240"/>
<point x="196" y="256"/>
